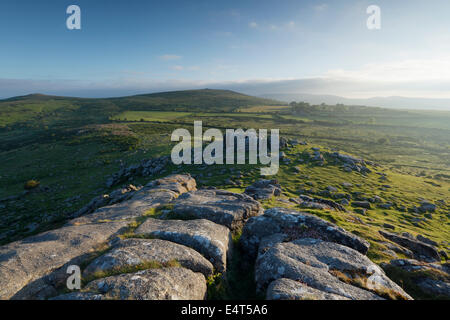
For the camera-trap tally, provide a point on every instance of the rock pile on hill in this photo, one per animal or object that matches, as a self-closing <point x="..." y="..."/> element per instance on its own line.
<point x="164" y="240"/>
<point x="147" y="167"/>
<point x="263" y="189"/>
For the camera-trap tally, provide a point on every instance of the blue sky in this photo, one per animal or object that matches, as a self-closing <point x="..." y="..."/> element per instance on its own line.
<point x="132" y="46"/>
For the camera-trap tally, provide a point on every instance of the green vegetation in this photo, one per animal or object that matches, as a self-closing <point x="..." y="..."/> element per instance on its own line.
<point x="69" y="146"/>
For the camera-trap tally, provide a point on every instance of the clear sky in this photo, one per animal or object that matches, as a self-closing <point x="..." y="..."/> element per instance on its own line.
<point x="132" y="46"/>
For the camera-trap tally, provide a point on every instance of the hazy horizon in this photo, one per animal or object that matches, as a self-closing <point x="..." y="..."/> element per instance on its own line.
<point x="254" y="47"/>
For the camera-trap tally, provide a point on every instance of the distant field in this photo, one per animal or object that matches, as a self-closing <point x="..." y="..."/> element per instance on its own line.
<point x="263" y="108"/>
<point x="163" y="116"/>
<point x="159" y="116"/>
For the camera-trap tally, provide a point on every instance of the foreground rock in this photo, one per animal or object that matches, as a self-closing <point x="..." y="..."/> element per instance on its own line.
<point x="432" y="279"/>
<point x="222" y="207"/>
<point x="137" y="252"/>
<point x="154" y="194"/>
<point x="421" y="250"/>
<point x="289" y="225"/>
<point x="287" y="289"/>
<point x="264" y="189"/>
<point x="32" y="268"/>
<point x="210" y="239"/>
<point x="151" y="284"/>
<point x="327" y="267"/>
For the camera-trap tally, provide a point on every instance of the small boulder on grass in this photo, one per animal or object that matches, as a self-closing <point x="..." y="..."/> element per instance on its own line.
<point x="31" y="184"/>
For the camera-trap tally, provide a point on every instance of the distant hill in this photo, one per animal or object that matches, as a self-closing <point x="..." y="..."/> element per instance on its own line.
<point x="385" y="102"/>
<point x="44" y="110"/>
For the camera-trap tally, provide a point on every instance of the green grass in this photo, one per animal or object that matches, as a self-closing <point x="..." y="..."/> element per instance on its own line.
<point x="72" y="145"/>
<point x="157" y="116"/>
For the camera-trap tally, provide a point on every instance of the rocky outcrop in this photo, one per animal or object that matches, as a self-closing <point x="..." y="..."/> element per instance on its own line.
<point x="103" y="200"/>
<point x="290" y="225"/>
<point x="222" y="207"/>
<point x="351" y="163"/>
<point x="140" y="252"/>
<point x="34" y="267"/>
<point x="421" y="250"/>
<point x="151" y="284"/>
<point x="328" y="267"/>
<point x="287" y="289"/>
<point x="145" y="168"/>
<point x="154" y="194"/>
<point x="431" y="278"/>
<point x="263" y="189"/>
<point x="210" y="239"/>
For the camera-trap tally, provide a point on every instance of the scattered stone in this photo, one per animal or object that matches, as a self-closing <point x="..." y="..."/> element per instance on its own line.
<point x="347" y="184"/>
<point x="145" y="168"/>
<point x="332" y="189"/>
<point x="421" y="250"/>
<point x="427" y="207"/>
<point x="362" y="204"/>
<point x="264" y="189"/>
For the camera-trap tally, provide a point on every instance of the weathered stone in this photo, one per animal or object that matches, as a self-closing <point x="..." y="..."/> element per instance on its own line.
<point x="287" y="289"/>
<point x="426" y="240"/>
<point x="32" y="267"/>
<point x="114" y="197"/>
<point x="427" y="207"/>
<point x="222" y="207"/>
<point x="154" y="194"/>
<point x="319" y="264"/>
<point x="388" y="226"/>
<point x="264" y="189"/>
<point x="295" y="225"/>
<point x="421" y="250"/>
<point x="432" y="278"/>
<point x="79" y="296"/>
<point x="135" y="252"/>
<point x="319" y="203"/>
<point x="361" y="204"/>
<point x="152" y="284"/>
<point x="210" y="239"/>
<point x="145" y="168"/>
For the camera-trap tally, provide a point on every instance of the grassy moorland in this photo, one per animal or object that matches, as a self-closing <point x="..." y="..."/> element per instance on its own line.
<point x="70" y="146"/>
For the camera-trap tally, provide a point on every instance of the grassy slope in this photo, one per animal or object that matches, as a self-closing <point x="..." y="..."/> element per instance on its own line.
<point x="70" y="145"/>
